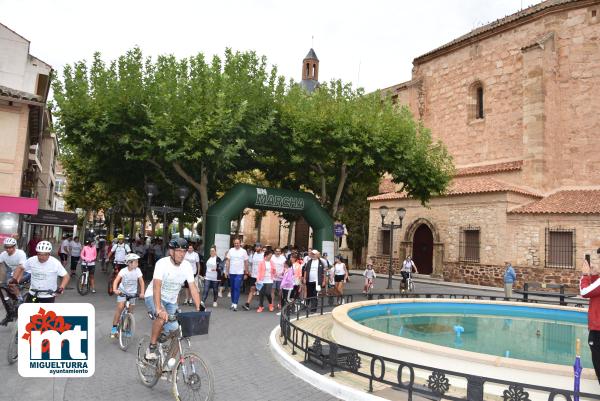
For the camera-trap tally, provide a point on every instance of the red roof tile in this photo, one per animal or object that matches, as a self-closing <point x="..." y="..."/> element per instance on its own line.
<point x="490" y="168"/>
<point x="465" y="186"/>
<point x="585" y="201"/>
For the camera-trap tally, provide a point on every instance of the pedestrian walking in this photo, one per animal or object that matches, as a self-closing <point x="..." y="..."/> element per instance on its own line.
<point x="63" y="251"/>
<point x="255" y="259"/>
<point x="211" y="277"/>
<point x="236" y="268"/>
<point x="509" y="278"/>
<point x="279" y="260"/>
<point x="340" y="275"/>
<point x="194" y="259"/>
<point x="264" y="279"/>
<point x="314" y="278"/>
<point x="75" y="248"/>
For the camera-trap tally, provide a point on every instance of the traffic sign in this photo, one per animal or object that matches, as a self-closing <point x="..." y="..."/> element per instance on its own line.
<point x="339" y="230"/>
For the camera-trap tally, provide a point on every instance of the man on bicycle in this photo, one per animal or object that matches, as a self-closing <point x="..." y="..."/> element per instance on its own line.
<point x="45" y="270"/>
<point x="12" y="258"/>
<point x="407" y="267"/>
<point x="120" y="250"/>
<point x="161" y="295"/>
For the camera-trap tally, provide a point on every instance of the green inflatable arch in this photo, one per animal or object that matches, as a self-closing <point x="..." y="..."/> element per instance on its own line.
<point x="241" y="196"/>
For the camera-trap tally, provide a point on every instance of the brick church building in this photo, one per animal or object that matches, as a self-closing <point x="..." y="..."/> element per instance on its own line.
<point x="517" y="103"/>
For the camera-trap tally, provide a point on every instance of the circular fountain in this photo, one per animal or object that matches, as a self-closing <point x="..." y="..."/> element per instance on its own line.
<point x="532" y="344"/>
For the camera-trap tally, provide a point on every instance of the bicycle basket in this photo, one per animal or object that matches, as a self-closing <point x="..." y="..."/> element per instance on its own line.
<point x="193" y="323"/>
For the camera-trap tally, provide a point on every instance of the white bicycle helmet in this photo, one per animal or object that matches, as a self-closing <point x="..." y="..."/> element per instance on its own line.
<point x="131" y="257"/>
<point x="43" y="247"/>
<point x="10" y="241"/>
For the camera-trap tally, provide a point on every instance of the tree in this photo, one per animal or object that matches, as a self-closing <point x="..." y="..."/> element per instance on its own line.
<point x="337" y="136"/>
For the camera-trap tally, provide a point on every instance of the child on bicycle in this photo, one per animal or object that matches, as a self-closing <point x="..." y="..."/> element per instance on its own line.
<point x="128" y="282"/>
<point x="369" y="277"/>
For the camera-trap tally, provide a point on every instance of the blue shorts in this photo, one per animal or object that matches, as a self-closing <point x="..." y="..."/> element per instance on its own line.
<point x="169" y="307"/>
<point x="277" y="284"/>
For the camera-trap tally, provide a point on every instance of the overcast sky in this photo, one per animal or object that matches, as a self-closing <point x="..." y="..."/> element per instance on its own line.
<point x="371" y="43"/>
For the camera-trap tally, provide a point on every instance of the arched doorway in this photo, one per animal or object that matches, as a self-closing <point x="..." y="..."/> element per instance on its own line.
<point x="422" y="252"/>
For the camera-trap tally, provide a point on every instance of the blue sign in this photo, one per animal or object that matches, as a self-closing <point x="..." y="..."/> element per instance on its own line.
<point x="338" y="229"/>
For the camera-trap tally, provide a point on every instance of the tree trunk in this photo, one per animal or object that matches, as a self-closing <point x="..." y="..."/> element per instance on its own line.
<point x="201" y="187"/>
<point x="259" y="218"/>
<point x="291" y="227"/>
<point x="340" y="190"/>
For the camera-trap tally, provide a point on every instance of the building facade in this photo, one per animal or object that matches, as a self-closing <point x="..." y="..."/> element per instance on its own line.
<point x="29" y="148"/>
<point x="515" y="102"/>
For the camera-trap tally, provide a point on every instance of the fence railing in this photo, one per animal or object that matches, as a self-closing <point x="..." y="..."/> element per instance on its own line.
<point x="439" y="383"/>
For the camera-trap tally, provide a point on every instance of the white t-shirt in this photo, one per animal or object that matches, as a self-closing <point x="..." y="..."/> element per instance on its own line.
<point x="76" y="248"/>
<point x="255" y="259"/>
<point x="369" y="273"/>
<point x="237" y="257"/>
<point x="120" y="251"/>
<point x="313" y="275"/>
<point x="129" y="280"/>
<point x="12" y="261"/>
<point x="407" y="265"/>
<point x="44" y="276"/>
<point x="63" y="246"/>
<point x="267" y="279"/>
<point x="172" y="278"/>
<point x="193" y="258"/>
<point x="340" y="269"/>
<point x="279" y="262"/>
<point x="211" y="268"/>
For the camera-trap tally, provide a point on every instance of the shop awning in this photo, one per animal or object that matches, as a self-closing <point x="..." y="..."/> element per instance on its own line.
<point x="15" y="204"/>
<point x="54" y="218"/>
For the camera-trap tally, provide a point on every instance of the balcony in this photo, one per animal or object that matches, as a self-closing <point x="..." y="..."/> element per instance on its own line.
<point x="35" y="156"/>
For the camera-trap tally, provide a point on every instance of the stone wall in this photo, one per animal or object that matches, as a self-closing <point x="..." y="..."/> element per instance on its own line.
<point x="540" y="82"/>
<point x="493" y="275"/>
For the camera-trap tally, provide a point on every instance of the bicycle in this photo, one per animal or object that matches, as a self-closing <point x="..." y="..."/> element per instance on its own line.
<point x="186" y="370"/>
<point x="409" y="286"/>
<point x="369" y="286"/>
<point x="83" y="281"/>
<point x="13" y="344"/>
<point x="126" y="327"/>
<point x="11" y="302"/>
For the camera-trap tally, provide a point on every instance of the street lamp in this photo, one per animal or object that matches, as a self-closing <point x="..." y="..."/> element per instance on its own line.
<point x="151" y="191"/>
<point x="383" y="211"/>
<point x="183" y="193"/>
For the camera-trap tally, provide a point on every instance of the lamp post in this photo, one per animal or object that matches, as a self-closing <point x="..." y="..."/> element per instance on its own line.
<point x="383" y="211"/>
<point x="183" y="193"/>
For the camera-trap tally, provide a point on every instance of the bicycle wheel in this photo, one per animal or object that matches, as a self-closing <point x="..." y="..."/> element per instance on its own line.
<point x="411" y="286"/>
<point x="13" y="346"/>
<point x="83" y="287"/>
<point x="192" y="379"/>
<point x="126" y="330"/>
<point x="148" y="371"/>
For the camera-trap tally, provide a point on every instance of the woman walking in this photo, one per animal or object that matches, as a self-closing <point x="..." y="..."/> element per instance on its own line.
<point x="211" y="279"/>
<point x="340" y="275"/>
<point x="264" y="280"/>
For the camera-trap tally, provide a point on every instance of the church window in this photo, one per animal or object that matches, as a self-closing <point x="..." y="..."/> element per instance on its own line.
<point x="476" y="109"/>
<point x="469" y="244"/>
<point x="560" y="248"/>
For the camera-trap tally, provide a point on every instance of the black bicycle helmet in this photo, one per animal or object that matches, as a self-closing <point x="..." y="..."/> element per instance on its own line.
<point x="178" y="243"/>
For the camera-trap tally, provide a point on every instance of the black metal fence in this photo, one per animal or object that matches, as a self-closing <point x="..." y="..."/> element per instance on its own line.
<point x="401" y="374"/>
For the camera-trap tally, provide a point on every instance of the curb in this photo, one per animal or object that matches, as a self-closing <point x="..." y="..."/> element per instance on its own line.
<point x="316" y="380"/>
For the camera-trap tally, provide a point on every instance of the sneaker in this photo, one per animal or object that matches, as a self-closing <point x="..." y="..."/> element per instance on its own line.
<point x="271" y="308"/>
<point x="127" y="333"/>
<point x="151" y="353"/>
<point x="278" y="306"/>
<point x="220" y="293"/>
<point x="202" y="307"/>
<point x="113" y="332"/>
<point x="260" y="309"/>
<point x="215" y="304"/>
<point x="5" y="321"/>
<point x="93" y="290"/>
<point x="229" y="294"/>
<point x="246" y="306"/>
<point x="235" y="308"/>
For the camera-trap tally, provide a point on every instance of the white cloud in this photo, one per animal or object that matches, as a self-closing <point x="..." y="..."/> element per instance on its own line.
<point x="383" y="36"/>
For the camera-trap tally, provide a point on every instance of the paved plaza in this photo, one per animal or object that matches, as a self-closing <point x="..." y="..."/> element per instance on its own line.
<point x="236" y="349"/>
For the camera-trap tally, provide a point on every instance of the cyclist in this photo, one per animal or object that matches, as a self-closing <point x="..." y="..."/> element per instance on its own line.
<point x="128" y="282"/>
<point x="370" y="275"/>
<point x="407" y="267"/>
<point x="161" y="295"/>
<point x="120" y="250"/>
<point x="63" y="251"/>
<point x="88" y="261"/>
<point x="12" y="258"/>
<point x="44" y="270"/>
